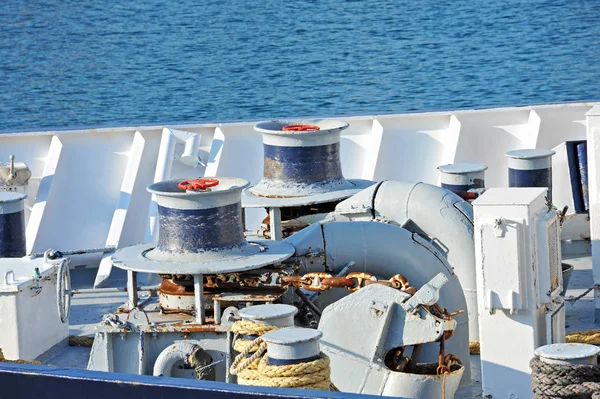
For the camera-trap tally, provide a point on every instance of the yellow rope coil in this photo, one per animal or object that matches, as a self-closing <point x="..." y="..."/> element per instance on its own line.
<point x="474" y="347"/>
<point x="291" y="370"/>
<point x="591" y="337"/>
<point x="246" y="327"/>
<point x="310" y="375"/>
<point x="256" y="371"/>
<point x="4" y="360"/>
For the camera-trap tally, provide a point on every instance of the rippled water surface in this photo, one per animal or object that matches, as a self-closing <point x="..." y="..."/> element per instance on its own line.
<point x="72" y="63"/>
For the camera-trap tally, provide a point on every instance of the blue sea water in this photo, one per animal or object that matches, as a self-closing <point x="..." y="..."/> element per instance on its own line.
<point x="75" y="63"/>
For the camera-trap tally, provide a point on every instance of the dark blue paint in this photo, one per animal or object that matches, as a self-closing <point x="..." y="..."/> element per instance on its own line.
<point x="199" y="230"/>
<point x="575" y="176"/>
<point x="26" y="381"/>
<point x="284" y="362"/>
<point x="583" y="174"/>
<point x="458" y="188"/>
<point x="12" y="235"/>
<point x="531" y="178"/>
<point x="303" y="164"/>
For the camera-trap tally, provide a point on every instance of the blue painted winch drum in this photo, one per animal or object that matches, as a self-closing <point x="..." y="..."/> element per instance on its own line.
<point x="199" y="218"/>
<point x="530" y="168"/>
<point x="301" y="158"/>
<point x="12" y="224"/>
<point x="462" y="177"/>
<point x="292" y="345"/>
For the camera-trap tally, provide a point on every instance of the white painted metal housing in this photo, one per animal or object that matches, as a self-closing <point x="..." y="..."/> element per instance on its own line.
<point x="107" y="170"/>
<point x="30" y="325"/>
<point x="519" y="279"/>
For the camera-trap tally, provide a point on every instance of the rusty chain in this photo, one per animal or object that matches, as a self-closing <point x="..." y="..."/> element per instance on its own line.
<point x="446" y="362"/>
<point x="321" y="281"/>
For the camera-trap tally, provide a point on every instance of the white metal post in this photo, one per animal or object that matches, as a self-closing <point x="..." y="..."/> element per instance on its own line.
<point x="593" y="149"/>
<point x="275" y="223"/>
<point x="199" y="298"/>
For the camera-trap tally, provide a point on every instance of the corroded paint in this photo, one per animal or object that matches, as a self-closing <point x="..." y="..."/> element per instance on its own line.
<point x="199" y="230"/>
<point x="306" y="165"/>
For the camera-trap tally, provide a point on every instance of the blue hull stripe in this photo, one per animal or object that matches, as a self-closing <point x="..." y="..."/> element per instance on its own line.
<point x="302" y="164"/>
<point x="17" y="381"/>
<point x="531" y="178"/>
<point x="199" y="230"/>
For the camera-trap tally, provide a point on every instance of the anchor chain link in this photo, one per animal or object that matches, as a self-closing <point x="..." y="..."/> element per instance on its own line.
<point x="321" y="281"/>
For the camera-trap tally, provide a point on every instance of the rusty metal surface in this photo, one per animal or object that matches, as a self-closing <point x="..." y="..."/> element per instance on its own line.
<point x="159" y="321"/>
<point x="250" y="297"/>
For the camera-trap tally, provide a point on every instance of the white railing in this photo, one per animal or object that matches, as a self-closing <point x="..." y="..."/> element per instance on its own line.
<point x="88" y="188"/>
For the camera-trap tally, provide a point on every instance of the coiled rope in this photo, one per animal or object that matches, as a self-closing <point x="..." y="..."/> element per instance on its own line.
<point x="248" y="328"/>
<point x="256" y="370"/>
<point x="564" y="380"/>
<point x="591" y="337"/>
<point x="474" y="348"/>
<point x="5" y="360"/>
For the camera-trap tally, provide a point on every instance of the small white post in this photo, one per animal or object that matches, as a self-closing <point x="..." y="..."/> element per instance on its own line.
<point x="275" y="223"/>
<point x="593" y="149"/>
<point x="199" y="298"/>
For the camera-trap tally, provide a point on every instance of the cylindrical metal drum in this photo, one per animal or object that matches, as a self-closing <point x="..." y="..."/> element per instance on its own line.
<point x="530" y="168"/>
<point x="12" y="224"/>
<point x="462" y="177"/>
<point x="568" y="353"/>
<point x="197" y="221"/>
<point x="301" y="158"/>
<point x="292" y="345"/>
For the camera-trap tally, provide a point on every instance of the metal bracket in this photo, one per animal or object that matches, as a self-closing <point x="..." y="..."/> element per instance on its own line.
<point x="499" y="228"/>
<point x="427" y="295"/>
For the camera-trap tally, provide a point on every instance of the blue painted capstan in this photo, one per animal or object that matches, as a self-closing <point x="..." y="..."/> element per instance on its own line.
<point x="462" y="177"/>
<point x="199" y="217"/>
<point x="292" y="345"/>
<point x="12" y="224"/>
<point x="301" y="158"/>
<point x="530" y="168"/>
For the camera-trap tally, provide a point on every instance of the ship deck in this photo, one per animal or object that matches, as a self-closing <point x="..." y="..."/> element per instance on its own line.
<point x="87" y="310"/>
